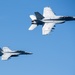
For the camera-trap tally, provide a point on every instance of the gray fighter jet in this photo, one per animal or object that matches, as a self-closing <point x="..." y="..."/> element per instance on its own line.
<point x="6" y="53"/>
<point x="48" y="20"/>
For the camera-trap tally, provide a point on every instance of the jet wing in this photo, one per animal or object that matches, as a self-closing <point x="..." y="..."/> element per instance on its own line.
<point x="6" y="49"/>
<point x="48" y="13"/>
<point x="6" y="56"/>
<point x="47" y="28"/>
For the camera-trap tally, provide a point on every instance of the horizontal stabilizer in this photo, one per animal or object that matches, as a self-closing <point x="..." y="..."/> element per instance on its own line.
<point x="33" y="26"/>
<point x="32" y="17"/>
<point x="38" y="15"/>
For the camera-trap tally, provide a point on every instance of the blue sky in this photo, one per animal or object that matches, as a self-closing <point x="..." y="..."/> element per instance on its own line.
<point x="53" y="54"/>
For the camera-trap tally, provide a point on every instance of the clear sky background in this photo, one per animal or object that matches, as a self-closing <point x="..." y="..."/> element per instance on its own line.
<point x="53" y="54"/>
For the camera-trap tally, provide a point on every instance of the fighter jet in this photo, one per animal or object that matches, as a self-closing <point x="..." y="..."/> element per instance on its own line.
<point x="6" y="53"/>
<point x="48" y="20"/>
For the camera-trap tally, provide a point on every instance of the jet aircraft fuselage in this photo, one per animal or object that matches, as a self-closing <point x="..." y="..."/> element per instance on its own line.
<point x="58" y="19"/>
<point x="48" y="20"/>
<point x="6" y="53"/>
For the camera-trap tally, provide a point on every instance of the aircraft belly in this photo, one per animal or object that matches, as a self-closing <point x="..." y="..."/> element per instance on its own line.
<point x="48" y="21"/>
<point x="15" y="53"/>
<point x="59" y="21"/>
<point x="54" y="21"/>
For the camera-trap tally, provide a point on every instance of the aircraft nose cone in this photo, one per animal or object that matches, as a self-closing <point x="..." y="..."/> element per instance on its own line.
<point x="74" y="17"/>
<point x="29" y="53"/>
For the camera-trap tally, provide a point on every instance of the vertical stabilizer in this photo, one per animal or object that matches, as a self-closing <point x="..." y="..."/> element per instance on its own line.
<point x="0" y="49"/>
<point x="38" y="15"/>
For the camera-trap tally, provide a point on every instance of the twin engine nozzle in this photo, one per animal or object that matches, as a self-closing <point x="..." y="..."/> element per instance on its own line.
<point x="34" y="22"/>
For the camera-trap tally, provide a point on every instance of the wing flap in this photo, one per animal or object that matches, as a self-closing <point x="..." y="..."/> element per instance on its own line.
<point x="47" y="28"/>
<point x="48" y="13"/>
